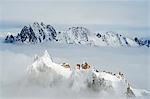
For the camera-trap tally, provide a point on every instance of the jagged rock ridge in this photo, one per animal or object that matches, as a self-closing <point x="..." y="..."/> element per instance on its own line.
<point x="114" y="39"/>
<point x="39" y="33"/>
<point x="35" y="33"/>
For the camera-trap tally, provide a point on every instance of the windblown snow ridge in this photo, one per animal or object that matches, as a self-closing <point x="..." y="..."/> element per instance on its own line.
<point x="39" y="33"/>
<point x="81" y="77"/>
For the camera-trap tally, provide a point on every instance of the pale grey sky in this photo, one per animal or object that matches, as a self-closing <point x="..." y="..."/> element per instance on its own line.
<point x="131" y="13"/>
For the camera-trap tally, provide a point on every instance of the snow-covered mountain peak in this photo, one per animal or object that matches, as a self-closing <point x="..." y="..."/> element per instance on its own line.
<point x="47" y="56"/>
<point x="115" y="40"/>
<point x="40" y="32"/>
<point x="82" y="79"/>
<point x="74" y="35"/>
<point x="34" y="33"/>
<point x="44" y="64"/>
<point x="78" y="33"/>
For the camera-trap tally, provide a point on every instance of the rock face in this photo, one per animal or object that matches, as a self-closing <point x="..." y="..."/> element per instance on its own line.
<point x="142" y="42"/>
<point x="9" y="39"/>
<point x="34" y="33"/>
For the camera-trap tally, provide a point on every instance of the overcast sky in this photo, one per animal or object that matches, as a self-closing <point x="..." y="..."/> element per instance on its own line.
<point x="132" y="13"/>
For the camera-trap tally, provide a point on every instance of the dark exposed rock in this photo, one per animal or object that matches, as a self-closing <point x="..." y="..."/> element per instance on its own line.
<point x="33" y="34"/>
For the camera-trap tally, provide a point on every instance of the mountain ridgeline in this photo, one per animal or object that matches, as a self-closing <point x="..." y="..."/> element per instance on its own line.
<point x="35" y="33"/>
<point x="39" y="33"/>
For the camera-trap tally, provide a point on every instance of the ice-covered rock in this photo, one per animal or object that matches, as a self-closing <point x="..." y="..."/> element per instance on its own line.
<point x="39" y="33"/>
<point x="74" y="35"/>
<point x="115" y="40"/>
<point x="34" y="33"/>
<point x="142" y="41"/>
<point x="9" y="38"/>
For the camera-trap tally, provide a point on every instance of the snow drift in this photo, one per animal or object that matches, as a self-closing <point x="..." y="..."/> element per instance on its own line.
<point x="47" y="73"/>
